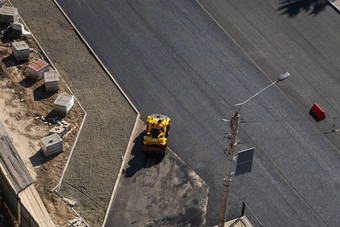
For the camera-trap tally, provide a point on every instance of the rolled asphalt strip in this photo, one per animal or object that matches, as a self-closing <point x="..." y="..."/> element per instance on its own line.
<point x="192" y="199"/>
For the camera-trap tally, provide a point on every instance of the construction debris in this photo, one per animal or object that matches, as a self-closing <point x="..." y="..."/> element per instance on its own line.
<point x="69" y="202"/>
<point x="9" y="14"/>
<point x="51" y="145"/>
<point x="53" y="120"/>
<point x="51" y="81"/>
<point x="63" y="104"/>
<point x="70" y="131"/>
<point x="77" y="222"/>
<point x="36" y="69"/>
<point x="61" y="129"/>
<point x="20" y="51"/>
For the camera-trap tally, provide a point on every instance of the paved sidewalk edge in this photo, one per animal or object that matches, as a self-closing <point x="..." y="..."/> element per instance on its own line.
<point x="124" y="162"/>
<point x="96" y="57"/>
<point x="335" y="5"/>
<point x="129" y="146"/>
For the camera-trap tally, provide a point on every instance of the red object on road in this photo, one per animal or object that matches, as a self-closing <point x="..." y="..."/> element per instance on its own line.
<point x="316" y="109"/>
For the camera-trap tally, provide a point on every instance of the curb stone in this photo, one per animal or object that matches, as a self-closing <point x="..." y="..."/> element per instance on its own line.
<point x="129" y="146"/>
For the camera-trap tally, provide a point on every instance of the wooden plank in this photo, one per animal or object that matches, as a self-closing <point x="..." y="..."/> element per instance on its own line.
<point x="40" y="203"/>
<point x="32" y="202"/>
<point x="20" y="166"/>
<point x="3" y="162"/>
<point x="14" y="166"/>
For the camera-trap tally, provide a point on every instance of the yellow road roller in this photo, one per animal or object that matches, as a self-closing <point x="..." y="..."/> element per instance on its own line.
<point x="157" y="132"/>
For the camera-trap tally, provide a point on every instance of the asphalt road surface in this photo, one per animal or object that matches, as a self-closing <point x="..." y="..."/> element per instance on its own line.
<point x="302" y="37"/>
<point x="170" y="57"/>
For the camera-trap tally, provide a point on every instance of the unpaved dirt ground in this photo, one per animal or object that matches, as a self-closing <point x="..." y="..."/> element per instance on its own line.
<point x="95" y="163"/>
<point x="26" y="110"/>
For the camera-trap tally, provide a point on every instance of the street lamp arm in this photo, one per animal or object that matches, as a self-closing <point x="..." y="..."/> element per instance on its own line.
<point x="240" y="104"/>
<point x="280" y="78"/>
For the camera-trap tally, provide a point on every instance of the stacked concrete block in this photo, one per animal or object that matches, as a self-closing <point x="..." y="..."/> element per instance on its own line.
<point x="51" y="145"/>
<point x="2" y="3"/>
<point x="9" y="14"/>
<point x="51" y="81"/>
<point x="36" y="69"/>
<point x="63" y="103"/>
<point x="61" y="129"/>
<point x="20" y="51"/>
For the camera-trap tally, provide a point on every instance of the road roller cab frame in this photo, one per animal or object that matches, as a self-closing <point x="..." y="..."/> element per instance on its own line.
<point x="157" y="132"/>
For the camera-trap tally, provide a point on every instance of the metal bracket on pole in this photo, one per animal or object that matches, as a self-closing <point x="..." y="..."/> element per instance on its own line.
<point x="233" y="138"/>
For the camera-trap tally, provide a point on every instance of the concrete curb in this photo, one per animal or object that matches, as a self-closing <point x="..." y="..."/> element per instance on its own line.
<point x="96" y="57"/>
<point x="129" y="146"/>
<point x="335" y="4"/>
<point x="125" y="160"/>
<point x="56" y="188"/>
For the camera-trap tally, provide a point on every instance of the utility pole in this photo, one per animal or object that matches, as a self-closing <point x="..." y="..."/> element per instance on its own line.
<point x="235" y="120"/>
<point x="227" y="178"/>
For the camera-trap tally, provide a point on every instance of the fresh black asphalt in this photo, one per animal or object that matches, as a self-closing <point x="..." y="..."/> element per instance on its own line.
<point x="299" y="36"/>
<point x="170" y="57"/>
